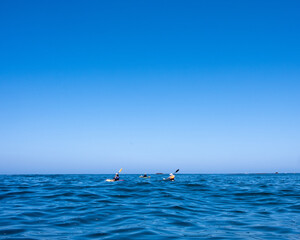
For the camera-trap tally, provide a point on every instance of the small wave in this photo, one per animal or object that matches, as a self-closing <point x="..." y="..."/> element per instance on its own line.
<point x="250" y="194"/>
<point x="96" y="235"/>
<point x="11" y="231"/>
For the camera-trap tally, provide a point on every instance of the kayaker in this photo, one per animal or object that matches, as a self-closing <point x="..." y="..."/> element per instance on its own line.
<point x="171" y="177"/>
<point x="145" y="175"/>
<point x="116" y="178"/>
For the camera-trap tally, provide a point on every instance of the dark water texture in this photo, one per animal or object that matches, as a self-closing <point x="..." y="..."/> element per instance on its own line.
<point x="192" y="207"/>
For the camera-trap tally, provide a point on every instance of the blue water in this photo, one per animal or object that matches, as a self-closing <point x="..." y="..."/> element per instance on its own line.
<point x="192" y="207"/>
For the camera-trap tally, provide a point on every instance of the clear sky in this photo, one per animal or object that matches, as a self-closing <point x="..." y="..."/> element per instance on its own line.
<point x="150" y="86"/>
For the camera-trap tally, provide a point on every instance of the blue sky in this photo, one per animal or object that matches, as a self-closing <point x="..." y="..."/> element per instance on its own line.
<point x="150" y="86"/>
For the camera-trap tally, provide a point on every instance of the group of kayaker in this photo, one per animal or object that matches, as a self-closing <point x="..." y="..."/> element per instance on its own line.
<point x="117" y="177"/>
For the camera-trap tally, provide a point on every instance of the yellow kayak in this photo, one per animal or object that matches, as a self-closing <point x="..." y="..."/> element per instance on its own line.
<point x="113" y="180"/>
<point x="110" y="180"/>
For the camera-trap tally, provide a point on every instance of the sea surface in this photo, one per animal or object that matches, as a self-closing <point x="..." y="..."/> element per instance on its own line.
<point x="204" y="206"/>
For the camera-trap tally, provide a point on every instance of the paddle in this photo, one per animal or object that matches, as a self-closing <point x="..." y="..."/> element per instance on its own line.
<point x="122" y="169"/>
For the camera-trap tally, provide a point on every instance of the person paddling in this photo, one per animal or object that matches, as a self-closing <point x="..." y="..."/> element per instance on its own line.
<point x="145" y="175"/>
<point x="171" y="177"/>
<point x="116" y="177"/>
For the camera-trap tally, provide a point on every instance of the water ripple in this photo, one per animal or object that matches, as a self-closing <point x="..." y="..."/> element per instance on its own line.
<point x="192" y="207"/>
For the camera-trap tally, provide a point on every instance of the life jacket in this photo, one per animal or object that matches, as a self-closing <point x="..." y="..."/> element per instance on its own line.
<point x="172" y="177"/>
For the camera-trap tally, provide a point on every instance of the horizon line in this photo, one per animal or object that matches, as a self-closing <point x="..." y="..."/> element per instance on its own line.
<point x="1" y="174"/>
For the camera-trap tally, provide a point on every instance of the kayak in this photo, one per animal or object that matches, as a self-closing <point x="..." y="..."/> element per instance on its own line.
<point x="145" y="177"/>
<point x="167" y="179"/>
<point x="113" y="180"/>
<point x="110" y="180"/>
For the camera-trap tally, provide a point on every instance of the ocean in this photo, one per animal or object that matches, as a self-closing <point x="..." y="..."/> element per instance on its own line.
<point x="195" y="206"/>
